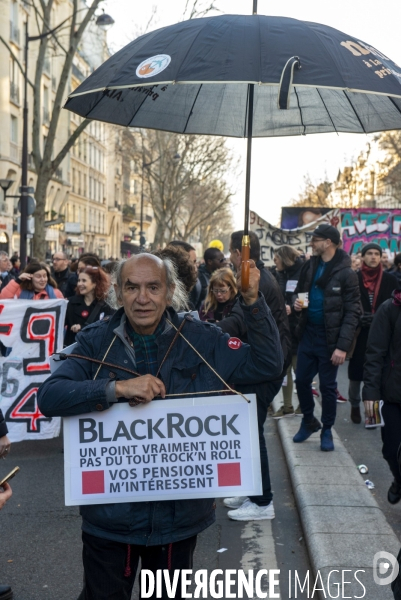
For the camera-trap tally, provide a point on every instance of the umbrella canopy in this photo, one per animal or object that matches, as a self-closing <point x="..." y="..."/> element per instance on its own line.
<point x="193" y="77"/>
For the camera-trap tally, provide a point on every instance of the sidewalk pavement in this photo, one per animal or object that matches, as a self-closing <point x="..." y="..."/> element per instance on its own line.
<point x="343" y="525"/>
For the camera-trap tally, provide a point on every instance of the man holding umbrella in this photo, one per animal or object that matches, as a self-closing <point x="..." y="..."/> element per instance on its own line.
<point x="145" y="334"/>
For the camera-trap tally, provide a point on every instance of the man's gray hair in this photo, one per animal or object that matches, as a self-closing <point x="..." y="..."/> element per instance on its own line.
<point x="178" y="299"/>
<point x="3" y="254"/>
<point x="65" y="255"/>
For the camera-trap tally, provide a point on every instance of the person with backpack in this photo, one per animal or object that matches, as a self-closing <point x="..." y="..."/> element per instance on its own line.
<point x="382" y="381"/>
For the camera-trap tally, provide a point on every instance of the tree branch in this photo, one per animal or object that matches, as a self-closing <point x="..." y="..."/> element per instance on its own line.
<point x="21" y="68"/>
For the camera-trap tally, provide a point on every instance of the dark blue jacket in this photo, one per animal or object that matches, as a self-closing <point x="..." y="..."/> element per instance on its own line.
<point x="72" y="391"/>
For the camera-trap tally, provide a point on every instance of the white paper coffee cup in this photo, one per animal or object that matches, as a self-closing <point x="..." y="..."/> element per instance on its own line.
<point x="304" y="299"/>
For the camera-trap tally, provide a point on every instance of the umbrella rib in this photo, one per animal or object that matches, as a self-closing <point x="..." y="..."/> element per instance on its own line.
<point x="324" y="104"/>
<point x="192" y="108"/>
<point x="356" y="114"/>
<point x="394" y="104"/>
<point x="246" y="111"/>
<point x="93" y="107"/>
<point x="300" y="111"/>
<point x="139" y="108"/>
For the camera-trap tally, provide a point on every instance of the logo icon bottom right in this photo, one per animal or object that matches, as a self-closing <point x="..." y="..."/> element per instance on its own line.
<point x="382" y="561"/>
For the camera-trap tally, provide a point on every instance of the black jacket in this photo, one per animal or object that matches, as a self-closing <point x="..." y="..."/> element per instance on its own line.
<point x="388" y="284"/>
<point x="291" y="274"/>
<point x="382" y="372"/>
<point x="61" y="278"/>
<point x="341" y="299"/>
<point x="268" y="286"/>
<point x="79" y="313"/>
<point x="203" y="278"/>
<point x="3" y="425"/>
<point x="3" y="282"/>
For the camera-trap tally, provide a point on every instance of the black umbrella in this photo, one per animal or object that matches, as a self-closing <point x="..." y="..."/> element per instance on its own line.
<point x="245" y="76"/>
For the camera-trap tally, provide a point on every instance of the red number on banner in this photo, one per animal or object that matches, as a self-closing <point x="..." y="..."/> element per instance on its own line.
<point x="40" y="327"/>
<point x="5" y="328"/>
<point x="25" y="410"/>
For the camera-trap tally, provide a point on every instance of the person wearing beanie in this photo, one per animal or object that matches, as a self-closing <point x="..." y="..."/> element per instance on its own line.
<point x="326" y="329"/>
<point x="375" y="286"/>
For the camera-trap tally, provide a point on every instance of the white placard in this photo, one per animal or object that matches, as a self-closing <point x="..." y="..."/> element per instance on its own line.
<point x="291" y="285"/>
<point x="32" y="331"/>
<point x="202" y="447"/>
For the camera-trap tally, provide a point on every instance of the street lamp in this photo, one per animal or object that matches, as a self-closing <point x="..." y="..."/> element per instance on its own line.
<point x="5" y="184"/>
<point x="105" y="22"/>
<point x="142" y="239"/>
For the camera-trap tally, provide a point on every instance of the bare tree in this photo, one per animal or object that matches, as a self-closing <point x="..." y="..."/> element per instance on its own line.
<point x="390" y="167"/>
<point x="314" y="195"/>
<point x="64" y="41"/>
<point x="184" y="180"/>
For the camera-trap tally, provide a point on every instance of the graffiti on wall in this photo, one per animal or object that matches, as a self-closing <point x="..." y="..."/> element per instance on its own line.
<point x="363" y="225"/>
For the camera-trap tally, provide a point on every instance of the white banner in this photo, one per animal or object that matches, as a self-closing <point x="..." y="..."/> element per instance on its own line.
<point x="165" y="450"/>
<point x="33" y="330"/>
<point x="271" y="238"/>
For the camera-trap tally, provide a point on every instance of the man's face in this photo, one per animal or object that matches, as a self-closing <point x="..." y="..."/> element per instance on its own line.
<point x="144" y="293"/>
<point x="235" y="258"/>
<point x="319" y="245"/>
<point x="59" y="262"/>
<point x="193" y="259"/>
<point x="217" y="262"/>
<point x="372" y="258"/>
<point x="5" y="263"/>
<point x="384" y="259"/>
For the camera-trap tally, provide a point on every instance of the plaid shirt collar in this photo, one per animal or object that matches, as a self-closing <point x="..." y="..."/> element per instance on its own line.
<point x="146" y="349"/>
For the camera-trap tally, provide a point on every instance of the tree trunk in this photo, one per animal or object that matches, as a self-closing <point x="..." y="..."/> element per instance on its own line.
<point x="39" y="239"/>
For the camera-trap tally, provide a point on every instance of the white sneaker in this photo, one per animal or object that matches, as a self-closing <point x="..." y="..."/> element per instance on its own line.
<point x="235" y="502"/>
<point x="250" y="511"/>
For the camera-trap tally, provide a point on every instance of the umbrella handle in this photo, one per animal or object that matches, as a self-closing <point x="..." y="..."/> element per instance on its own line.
<point x="245" y="266"/>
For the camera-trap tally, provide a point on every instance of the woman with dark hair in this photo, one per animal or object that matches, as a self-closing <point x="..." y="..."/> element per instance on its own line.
<point x="221" y="296"/>
<point x="186" y="270"/>
<point x="88" y="305"/>
<point x="34" y="283"/>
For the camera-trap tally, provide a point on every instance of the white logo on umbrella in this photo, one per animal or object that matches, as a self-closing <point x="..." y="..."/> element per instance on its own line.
<point x="153" y="65"/>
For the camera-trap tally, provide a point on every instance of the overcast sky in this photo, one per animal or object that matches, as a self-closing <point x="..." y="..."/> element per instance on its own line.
<point x="279" y="165"/>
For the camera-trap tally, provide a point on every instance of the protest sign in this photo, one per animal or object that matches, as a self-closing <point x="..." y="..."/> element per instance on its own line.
<point x="202" y="447"/>
<point x="271" y="238"/>
<point x="33" y="331"/>
<point x="363" y="225"/>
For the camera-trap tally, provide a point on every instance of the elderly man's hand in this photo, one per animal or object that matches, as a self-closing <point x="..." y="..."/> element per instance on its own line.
<point x="6" y="495"/>
<point x="144" y="388"/>
<point x="251" y="294"/>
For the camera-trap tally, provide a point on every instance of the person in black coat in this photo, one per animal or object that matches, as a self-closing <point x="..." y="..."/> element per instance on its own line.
<point x="255" y="508"/>
<point x="288" y="269"/>
<point x="326" y="329"/>
<point x="382" y="381"/>
<point x="89" y="304"/>
<point x="375" y="286"/>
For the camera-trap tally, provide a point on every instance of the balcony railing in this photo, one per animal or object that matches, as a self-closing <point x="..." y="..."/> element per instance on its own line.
<point x="54" y="83"/>
<point x="14" y="33"/>
<point x="14" y="93"/>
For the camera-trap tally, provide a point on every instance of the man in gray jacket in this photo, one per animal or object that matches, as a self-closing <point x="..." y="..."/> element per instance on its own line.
<point x="142" y="336"/>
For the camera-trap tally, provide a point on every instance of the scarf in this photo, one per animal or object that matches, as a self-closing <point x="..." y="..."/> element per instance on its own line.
<point x="397" y="297"/>
<point x="372" y="278"/>
<point x="29" y="294"/>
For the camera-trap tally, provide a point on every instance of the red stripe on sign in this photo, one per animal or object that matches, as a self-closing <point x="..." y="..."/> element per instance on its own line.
<point x="229" y="474"/>
<point x="93" y="482"/>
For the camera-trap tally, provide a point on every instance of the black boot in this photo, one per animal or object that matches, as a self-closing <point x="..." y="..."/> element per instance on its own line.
<point x="6" y="592"/>
<point x="393" y="495"/>
<point x="356" y="414"/>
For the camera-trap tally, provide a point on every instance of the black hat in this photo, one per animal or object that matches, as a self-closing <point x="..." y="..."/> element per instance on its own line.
<point x="371" y="246"/>
<point x="327" y="232"/>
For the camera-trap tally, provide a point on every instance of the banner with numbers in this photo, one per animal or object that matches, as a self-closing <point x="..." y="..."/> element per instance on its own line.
<point x="32" y="330"/>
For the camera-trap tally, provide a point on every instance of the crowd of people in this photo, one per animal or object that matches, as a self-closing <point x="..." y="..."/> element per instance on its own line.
<point x="301" y="319"/>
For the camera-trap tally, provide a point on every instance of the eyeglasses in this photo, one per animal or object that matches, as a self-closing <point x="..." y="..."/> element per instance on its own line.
<point x="57" y="259"/>
<point x="219" y="291"/>
<point x="221" y="260"/>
